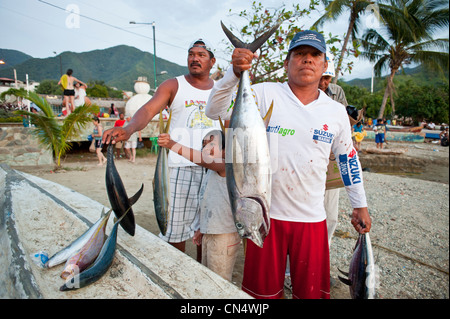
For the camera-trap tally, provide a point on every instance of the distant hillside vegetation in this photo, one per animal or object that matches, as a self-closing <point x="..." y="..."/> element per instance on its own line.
<point x="12" y="58"/>
<point x="419" y="75"/>
<point x="117" y="66"/>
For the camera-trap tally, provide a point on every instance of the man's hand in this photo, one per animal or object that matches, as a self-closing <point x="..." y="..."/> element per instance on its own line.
<point x="114" y="135"/>
<point x="242" y="60"/>
<point x="361" y="220"/>
<point x="164" y="140"/>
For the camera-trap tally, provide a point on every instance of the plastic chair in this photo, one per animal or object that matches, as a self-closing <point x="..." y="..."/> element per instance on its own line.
<point x="155" y="146"/>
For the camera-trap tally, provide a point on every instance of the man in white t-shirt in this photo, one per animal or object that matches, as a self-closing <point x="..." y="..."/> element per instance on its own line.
<point x="305" y="126"/>
<point x="186" y="98"/>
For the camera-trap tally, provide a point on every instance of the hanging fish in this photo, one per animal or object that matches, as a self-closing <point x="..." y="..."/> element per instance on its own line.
<point x="247" y="157"/>
<point x="118" y="198"/>
<point x="161" y="186"/>
<point x="361" y="277"/>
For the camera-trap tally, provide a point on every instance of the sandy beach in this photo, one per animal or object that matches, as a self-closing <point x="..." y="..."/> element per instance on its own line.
<point x="408" y="204"/>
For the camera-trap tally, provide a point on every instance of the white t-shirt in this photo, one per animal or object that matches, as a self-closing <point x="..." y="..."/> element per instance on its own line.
<point x="215" y="208"/>
<point x="301" y="138"/>
<point x="189" y="124"/>
<point x="80" y="94"/>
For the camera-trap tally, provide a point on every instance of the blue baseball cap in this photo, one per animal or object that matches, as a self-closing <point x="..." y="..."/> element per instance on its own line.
<point x="311" y="38"/>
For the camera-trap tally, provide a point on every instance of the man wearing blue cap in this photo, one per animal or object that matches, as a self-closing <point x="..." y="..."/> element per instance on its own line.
<point x="317" y="126"/>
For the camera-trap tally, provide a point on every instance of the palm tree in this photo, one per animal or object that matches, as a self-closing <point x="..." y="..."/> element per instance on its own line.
<point x="406" y="36"/>
<point x="333" y="10"/>
<point x="47" y="129"/>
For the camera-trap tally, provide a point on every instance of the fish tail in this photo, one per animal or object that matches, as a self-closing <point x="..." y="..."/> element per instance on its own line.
<point x="255" y="45"/>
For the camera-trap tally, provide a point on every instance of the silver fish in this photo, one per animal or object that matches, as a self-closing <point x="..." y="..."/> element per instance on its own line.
<point x="361" y="276"/>
<point x="101" y="263"/>
<point x="161" y="187"/>
<point x="77" y="244"/>
<point x="88" y="253"/>
<point x="117" y="194"/>
<point x="247" y="157"/>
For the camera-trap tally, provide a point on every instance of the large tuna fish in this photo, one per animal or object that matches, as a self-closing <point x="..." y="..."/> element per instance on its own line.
<point x="101" y="263"/>
<point x="247" y="157"/>
<point x="161" y="186"/>
<point x="118" y="198"/>
<point x="362" y="273"/>
<point x="88" y="253"/>
<point x="77" y="244"/>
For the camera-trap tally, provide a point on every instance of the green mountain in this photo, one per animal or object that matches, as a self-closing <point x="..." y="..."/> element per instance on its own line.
<point x="418" y="75"/>
<point x="117" y="66"/>
<point x="12" y="58"/>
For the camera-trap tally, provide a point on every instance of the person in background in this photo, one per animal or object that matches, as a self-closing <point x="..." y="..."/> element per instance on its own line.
<point x="80" y="95"/>
<point x="380" y="131"/>
<point x="97" y="135"/>
<point x="443" y="137"/>
<point x="69" y="91"/>
<point x="119" y="123"/>
<point x="113" y="112"/>
<point x="358" y="134"/>
<point x="131" y="144"/>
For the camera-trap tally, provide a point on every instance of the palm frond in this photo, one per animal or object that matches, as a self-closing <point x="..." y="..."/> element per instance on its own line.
<point x="77" y="120"/>
<point x="46" y="129"/>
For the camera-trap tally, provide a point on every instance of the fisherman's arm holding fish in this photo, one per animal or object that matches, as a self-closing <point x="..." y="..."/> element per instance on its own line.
<point x="162" y="97"/>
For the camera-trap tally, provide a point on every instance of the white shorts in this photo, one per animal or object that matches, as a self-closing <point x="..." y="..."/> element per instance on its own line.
<point x="130" y="144"/>
<point x="185" y="185"/>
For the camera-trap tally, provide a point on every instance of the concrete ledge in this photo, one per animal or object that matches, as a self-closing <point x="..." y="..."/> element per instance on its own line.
<point x="36" y="214"/>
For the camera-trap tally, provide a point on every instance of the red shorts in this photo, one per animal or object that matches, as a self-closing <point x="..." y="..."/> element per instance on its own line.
<point x="307" y="246"/>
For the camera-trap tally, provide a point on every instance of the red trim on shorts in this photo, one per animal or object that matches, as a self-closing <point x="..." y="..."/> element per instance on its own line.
<point x="307" y="246"/>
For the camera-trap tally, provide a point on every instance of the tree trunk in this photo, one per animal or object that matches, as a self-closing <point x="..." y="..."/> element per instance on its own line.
<point x="344" y="48"/>
<point x="387" y="92"/>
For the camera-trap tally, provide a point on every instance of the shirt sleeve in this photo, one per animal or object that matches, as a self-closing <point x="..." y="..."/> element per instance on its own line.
<point x="349" y="165"/>
<point x="221" y="98"/>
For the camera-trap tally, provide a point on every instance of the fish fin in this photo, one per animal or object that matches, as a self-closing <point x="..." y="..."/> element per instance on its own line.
<point x="136" y="196"/>
<point x="343" y="272"/>
<point x="345" y="281"/>
<point x="166" y="130"/>
<point x="161" y="122"/>
<point x="266" y="118"/>
<point x="233" y="39"/>
<point x="255" y="45"/>
<point x="121" y="217"/>
<point x="221" y="125"/>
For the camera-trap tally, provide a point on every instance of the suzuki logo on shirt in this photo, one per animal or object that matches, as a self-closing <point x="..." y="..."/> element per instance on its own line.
<point x="321" y="135"/>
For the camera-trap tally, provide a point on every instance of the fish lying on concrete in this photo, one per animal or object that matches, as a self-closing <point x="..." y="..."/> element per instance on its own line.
<point x="101" y="263"/>
<point x="88" y="253"/>
<point x="77" y="244"/>
<point x="361" y="276"/>
<point x="117" y="194"/>
<point x="161" y="186"/>
<point x="247" y="157"/>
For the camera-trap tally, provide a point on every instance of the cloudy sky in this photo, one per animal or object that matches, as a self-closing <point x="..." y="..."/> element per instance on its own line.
<point x="41" y="27"/>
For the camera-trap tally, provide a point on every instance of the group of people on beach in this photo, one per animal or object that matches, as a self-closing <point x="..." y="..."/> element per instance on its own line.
<point x="303" y="213"/>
